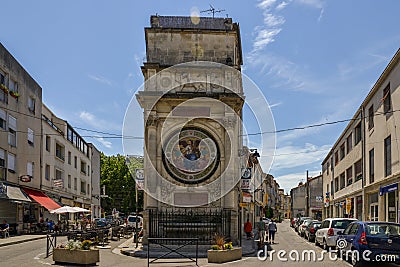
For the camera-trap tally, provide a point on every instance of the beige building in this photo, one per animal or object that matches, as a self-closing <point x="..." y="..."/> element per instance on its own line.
<point x="66" y="172"/>
<point x="361" y="172"/>
<point x="44" y="163"/>
<point x="20" y="123"/>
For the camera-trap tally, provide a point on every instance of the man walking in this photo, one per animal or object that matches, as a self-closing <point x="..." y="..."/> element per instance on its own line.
<point x="272" y="229"/>
<point x="248" y="228"/>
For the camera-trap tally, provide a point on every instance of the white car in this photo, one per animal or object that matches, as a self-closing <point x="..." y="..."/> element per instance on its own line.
<point x="327" y="235"/>
<point x="132" y="221"/>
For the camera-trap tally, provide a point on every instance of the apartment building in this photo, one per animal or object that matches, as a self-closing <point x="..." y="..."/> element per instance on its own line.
<point x="95" y="173"/>
<point x="66" y="161"/>
<point x="361" y="172"/>
<point x="20" y="123"/>
<point x="44" y="162"/>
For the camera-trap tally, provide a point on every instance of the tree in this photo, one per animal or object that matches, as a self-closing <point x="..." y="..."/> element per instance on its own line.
<point x="119" y="184"/>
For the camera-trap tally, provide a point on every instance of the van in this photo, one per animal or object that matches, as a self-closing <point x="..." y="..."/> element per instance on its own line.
<point x="132" y="221"/>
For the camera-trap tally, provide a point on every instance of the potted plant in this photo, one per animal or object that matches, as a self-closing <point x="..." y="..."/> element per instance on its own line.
<point x="222" y="251"/>
<point x="76" y="252"/>
<point x="14" y="94"/>
<point x="4" y="88"/>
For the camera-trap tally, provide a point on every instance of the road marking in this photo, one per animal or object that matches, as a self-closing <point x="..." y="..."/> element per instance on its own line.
<point x="37" y="257"/>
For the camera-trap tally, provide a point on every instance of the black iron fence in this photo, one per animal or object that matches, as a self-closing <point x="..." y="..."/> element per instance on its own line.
<point x="201" y="224"/>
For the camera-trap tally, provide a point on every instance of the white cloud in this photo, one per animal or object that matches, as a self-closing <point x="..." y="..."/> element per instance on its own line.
<point x="291" y="180"/>
<point x="312" y="3"/>
<point x="296" y="156"/>
<point x="96" y="123"/>
<point x="282" y="6"/>
<point x="100" y="79"/>
<point x="272" y="20"/>
<point x="104" y="142"/>
<point x="264" y="37"/>
<point x="266" y="4"/>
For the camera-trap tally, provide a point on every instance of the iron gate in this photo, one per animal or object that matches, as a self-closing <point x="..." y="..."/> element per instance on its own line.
<point x="201" y="224"/>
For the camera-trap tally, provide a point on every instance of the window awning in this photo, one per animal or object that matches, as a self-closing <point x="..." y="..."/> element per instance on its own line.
<point x="15" y="193"/>
<point x="42" y="199"/>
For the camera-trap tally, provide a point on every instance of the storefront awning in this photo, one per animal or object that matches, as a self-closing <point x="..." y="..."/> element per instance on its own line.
<point x="42" y="199"/>
<point x="387" y="189"/>
<point x="15" y="193"/>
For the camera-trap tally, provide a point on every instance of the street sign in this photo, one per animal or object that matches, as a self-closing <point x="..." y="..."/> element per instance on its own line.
<point x="139" y="173"/>
<point x="246" y="197"/>
<point x="245" y="184"/>
<point x="243" y="205"/>
<point x="25" y="178"/>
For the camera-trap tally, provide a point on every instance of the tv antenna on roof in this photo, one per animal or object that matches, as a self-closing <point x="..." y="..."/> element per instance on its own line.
<point x="212" y="10"/>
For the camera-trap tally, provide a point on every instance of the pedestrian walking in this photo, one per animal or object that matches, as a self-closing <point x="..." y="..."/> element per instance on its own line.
<point x="248" y="228"/>
<point x="272" y="229"/>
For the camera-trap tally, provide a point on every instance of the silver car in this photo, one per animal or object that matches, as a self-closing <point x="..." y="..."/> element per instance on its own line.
<point x="327" y="235"/>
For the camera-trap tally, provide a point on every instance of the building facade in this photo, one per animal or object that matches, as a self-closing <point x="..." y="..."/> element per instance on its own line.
<point x="199" y="104"/>
<point x="44" y="163"/>
<point x="361" y="172"/>
<point x="314" y="197"/>
<point x="298" y="200"/>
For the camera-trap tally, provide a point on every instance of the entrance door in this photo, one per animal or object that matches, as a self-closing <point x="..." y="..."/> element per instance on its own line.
<point x="373" y="212"/>
<point x="391" y="207"/>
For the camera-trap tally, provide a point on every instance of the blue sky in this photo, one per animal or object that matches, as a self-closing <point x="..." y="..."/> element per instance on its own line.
<point x="314" y="60"/>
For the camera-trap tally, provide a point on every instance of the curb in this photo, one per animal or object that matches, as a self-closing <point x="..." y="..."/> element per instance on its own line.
<point x="22" y="241"/>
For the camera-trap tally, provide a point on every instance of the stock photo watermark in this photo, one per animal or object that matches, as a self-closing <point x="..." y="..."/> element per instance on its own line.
<point x="311" y="255"/>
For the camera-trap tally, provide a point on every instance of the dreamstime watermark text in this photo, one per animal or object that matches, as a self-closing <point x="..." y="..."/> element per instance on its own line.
<point x="314" y="256"/>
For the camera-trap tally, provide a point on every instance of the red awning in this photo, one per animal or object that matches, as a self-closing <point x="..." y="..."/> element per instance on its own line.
<point x="42" y="199"/>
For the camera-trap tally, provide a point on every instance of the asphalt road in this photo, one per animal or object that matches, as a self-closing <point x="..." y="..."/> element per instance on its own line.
<point x="32" y="254"/>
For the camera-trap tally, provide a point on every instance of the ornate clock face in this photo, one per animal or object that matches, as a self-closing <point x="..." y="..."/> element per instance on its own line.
<point x="191" y="156"/>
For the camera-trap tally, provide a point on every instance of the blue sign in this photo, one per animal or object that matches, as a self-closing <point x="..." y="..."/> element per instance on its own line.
<point x="388" y="189"/>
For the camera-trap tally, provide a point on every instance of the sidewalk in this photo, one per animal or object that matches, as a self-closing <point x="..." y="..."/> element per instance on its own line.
<point x="128" y="248"/>
<point x="19" y="239"/>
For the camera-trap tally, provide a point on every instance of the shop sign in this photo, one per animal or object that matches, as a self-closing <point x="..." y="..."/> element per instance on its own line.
<point x="25" y="178"/>
<point x="139" y="173"/>
<point x="245" y="184"/>
<point x="246" y="198"/>
<point x="349" y="203"/>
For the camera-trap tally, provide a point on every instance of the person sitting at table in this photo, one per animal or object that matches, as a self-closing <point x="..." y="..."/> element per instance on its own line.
<point x="5" y="227"/>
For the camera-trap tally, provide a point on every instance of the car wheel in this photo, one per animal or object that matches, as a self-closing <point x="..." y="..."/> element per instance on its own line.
<point x="354" y="261"/>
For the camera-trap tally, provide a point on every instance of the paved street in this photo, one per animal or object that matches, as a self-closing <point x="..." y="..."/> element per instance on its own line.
<point x="33" y="254"/>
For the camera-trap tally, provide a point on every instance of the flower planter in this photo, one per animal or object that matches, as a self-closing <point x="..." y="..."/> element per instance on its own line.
<point x="221" y="256"/>
<point x="76" y="256"/>
<point x="14" y="94"/>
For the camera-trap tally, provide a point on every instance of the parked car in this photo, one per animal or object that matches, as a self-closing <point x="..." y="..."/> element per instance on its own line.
<point x="101" y="222"/>
<point x="380" y="238"/>
<point x="328" y="233"/>
<point x="302" y="227"/>
<point x="311" y="229"/>
<point x="300" y="221"/>
<point x="132" y="221"/>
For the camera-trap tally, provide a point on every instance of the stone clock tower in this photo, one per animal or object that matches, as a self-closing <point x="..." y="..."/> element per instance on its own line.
<point x="192" y="100"/>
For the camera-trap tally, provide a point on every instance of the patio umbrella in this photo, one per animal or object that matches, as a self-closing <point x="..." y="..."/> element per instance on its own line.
<point x="65" y="209"/>
<point x="81" y="209"/>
